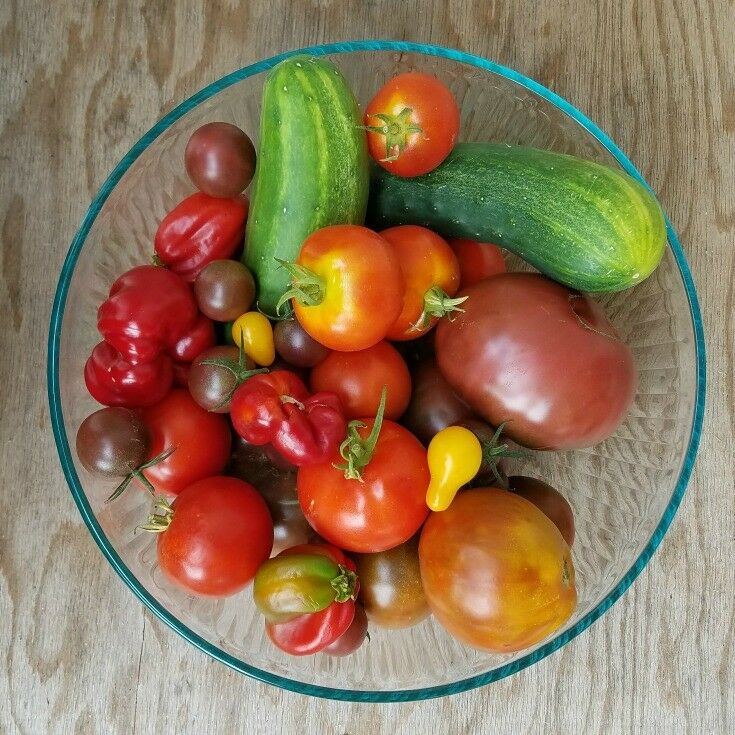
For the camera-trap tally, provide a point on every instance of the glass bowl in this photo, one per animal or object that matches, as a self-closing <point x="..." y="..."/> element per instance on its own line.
<point x="624" y="492"/>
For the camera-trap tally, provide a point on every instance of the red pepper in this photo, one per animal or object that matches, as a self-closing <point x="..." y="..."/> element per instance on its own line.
<point x="199" y="338"/>
<point x="181" y="374"/>
<point x="313" y="632"/>
<point x="113" y="381"/>
<point x="276" y="407"/>
<point x="198" y="230"/>
<point x="148" y="310"/>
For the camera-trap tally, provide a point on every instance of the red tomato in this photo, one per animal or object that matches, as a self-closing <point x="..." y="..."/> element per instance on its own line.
<point x="412" y="123"/>
<point x="477" y="260"/>
<point x="202" y="441"/>
<point x="352" y="638"/>
<point x="220" y="533"/>
<point x="430" y="275"/>
<point x="358" y="378"/>
<point x="199" y="338"/>
<point x="347" y="285"/>
<point x="544" y="359"/>
<point x="384" y="509"/>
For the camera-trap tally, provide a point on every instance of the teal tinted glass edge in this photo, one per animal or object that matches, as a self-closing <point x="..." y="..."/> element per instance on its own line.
<point x="85" y="509"/>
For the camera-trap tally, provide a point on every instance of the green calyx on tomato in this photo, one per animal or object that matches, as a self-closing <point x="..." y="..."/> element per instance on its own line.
<point x="137" y="474"/>
<point x="306" y="286"/>
<point x="437" y="303"/>
<point x="356" y="451"/>
<point x="397" y="129"/>
<point x="297" y="584"/>
<point x="493" y="451"/>
<point x="161" y="516"/>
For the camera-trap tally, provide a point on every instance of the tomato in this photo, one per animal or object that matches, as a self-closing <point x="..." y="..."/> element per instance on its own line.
<point x="496" y="571"/>
<point x="477" y="260"/>
<point x="412" y="124"/>
<point x="544" y="359"/>
<point x="358" y="378"/>
<point x="198" y="339"/>
<point x="434" y="405"/>
<point x="347" y="287"/>
<point x="430" y="275"/>
<point x="201" y="440"/>
<point x="224" y="289"/>
<point x="370" y="496"/>
<point x="295" y="346"/>
<point x="548" y="500"/>
<point x="390" y="586"/>
<point x="253" y="332"/>
<point x="352" y="638"/>
<point x="218" y="535"/>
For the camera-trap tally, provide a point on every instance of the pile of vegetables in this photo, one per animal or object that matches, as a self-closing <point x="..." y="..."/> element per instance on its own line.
<point x="320" y="385"/>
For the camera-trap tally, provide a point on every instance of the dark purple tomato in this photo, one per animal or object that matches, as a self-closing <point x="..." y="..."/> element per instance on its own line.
<point x="212" y="386"/>
<point x="224" y="290"/>
<point x="112" y="442"/>
<point x="352" y="638"/>
<point x="548" y="500"/>
<point x="220" y="159"/>
<point x="295" y="346"/>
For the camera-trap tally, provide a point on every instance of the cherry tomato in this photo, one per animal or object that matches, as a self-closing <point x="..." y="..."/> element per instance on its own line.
<point x="198" y="339"/>
<point x="496" y="571"/>
<point x="201" y="440"/>
<point x="434" y="405"/>
<point x="254" y="332"/>
<point x="390" y="586"/>
<point x="212" y="386"/>
<point x="112" y="442"/>
<point x="347" y="287"/>
<point x="218" y="535"/>
<point x="358" y="379"/>
<point x="220" y="159"/>
<point x="552" y="366"/>
<point x="352" y="638"/>
<point x="548" y="500"/>
<point x="412" y="123"/>
<point x="382" y="509"/>
<point x="477" y="260"/>
<point x="431" y="277"/>
<point x="224" y="289"/>
<point x="295" y="345"/>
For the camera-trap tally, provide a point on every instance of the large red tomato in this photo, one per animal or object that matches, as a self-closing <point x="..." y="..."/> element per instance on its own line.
<point x="544" y="359"/>
<point x="358" y="379"/>
<point x="220" y="532"/>
<point x="477" y="260"/>
<point x="201" y="442"/>
<point x="496" y="571"/>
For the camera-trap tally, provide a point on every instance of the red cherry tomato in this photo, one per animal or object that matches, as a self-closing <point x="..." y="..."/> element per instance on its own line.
<point x="412" y="122"/>
<point x="477" y="260"/>
<point x="358" y="378"/>
<point x="218" y="536"/>
<point x="201" y="440"/>
<point x="199" y="338"/>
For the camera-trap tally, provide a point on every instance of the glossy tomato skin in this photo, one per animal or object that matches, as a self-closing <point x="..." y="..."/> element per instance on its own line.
<point x="352" y="638"/>
<point x="434" y="115"/>
<point x="202" y="441"/>
<point x="477" y="260"/>
<point x="358" y="379"/>
<point x="363" y="287"/>
<point x="426" y="262"/>
<point x="484" y="559"/>
<point x="548" y="500"/>
<point x="221" y="532"/>
<point x="544" y="359"/>
<point x="383" y="510"/>
<point x="390" y="586"/>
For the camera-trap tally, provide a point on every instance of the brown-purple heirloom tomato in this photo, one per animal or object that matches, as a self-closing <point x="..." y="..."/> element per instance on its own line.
<point x="212" y="386"/>
<point x="541" y="357"/>
<point x="547" y="499"/>
<point x="297" y="347"/>
<point x="224" y="290"/>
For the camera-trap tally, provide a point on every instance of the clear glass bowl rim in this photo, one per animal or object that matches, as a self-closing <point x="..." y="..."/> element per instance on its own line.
<point x="62" y="443"/>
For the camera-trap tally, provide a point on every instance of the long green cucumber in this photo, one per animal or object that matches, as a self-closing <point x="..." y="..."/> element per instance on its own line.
<point x="312" y="168"/>
<point x="583" y="224"/>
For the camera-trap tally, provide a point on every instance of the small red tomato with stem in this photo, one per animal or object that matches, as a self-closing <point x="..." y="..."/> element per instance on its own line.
<point x="370" y="494"/>
<point x="346" y="287"/>
<point x="213" y="537"/>
<point x="412" y="124"/>
<point x="477" y="260"/>
<point x="430" y="275"/>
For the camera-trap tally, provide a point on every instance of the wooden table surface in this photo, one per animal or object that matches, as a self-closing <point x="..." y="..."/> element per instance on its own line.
<point x="80" y="81"/>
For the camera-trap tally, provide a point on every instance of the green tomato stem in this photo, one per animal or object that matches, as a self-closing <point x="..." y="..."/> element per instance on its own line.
<point x="307" y="287"/>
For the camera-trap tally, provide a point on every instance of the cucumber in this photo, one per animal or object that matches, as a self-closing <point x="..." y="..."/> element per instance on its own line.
<point x="312" y="168"/>
<point x="581" y="223"/>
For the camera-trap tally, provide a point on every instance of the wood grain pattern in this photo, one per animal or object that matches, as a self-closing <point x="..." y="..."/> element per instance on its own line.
<point x="79" y="83"/>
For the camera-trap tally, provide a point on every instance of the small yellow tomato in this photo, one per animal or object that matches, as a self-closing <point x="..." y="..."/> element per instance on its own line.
<point x="454" y="456"/>
<point x="254" y="333"/>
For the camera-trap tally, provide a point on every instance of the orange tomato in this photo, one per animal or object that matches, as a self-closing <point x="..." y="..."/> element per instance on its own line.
<point x="430" y="275"/>
<point x="496" y="571"/>
<point x="477" y="260"/>
<point x="347" y="287"/>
